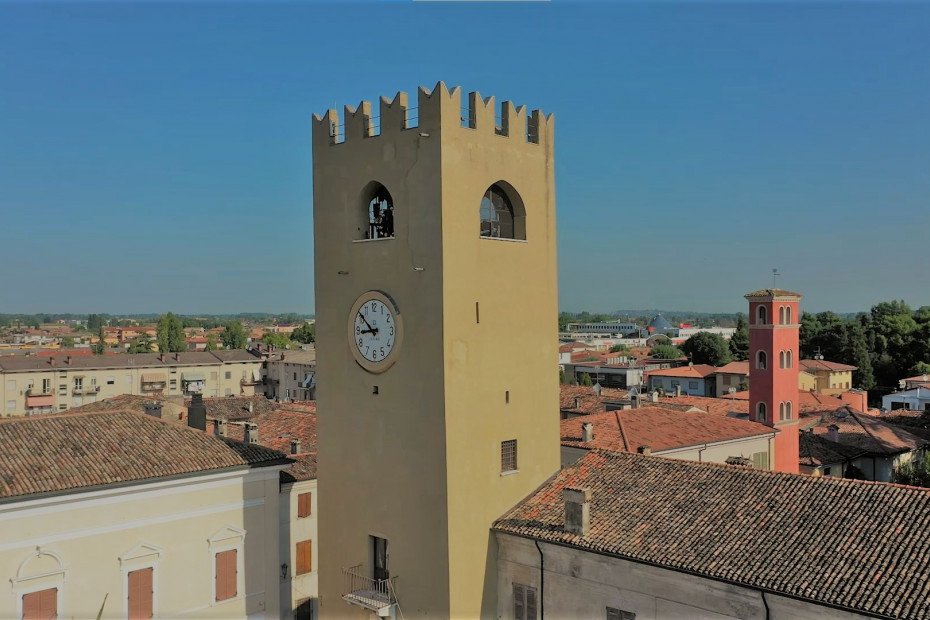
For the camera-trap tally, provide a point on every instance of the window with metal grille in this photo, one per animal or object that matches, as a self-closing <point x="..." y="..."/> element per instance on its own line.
<point x="304" y="610"/>
<point x="509" y="455"/>
<point x="303" y="505"/>
<point x="524" y="602"/>
<point x="618" y="614"/>
<point x="304" y="557"/>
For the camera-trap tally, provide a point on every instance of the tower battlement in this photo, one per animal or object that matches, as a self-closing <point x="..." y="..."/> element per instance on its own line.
<point x="436" y="109"/>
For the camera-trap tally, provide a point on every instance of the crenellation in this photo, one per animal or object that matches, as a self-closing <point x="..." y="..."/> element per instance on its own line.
<point x="438" y="107"/>
<point x="394" y="113"/>
<point x="358" y="121"/>
<point x="481" y="112"/>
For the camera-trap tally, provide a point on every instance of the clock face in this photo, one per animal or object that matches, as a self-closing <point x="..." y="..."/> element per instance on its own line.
<point x="375" y="331"/>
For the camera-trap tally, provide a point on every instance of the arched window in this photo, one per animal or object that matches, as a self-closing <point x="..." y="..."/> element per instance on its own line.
<point x="761" y="315"/>
<point x="781" y="359"/>
<point x="781" y="411"/>
<point x="788" y="362"/>
<point x="788" y="412"/>
<point x="781" y="315"/>
<point x="788" y="314"/>
<point x="502" y="214"/>
<point x="378" y="213"/>
<point x="760" y="412"/>
<point x="761" y="360"/>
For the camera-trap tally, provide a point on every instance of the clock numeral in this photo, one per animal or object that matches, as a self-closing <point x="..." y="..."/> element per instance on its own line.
<point x="359" y="343"/>
<point x="389" y="318"/>
<point x="391" y="332"/>
<point x="358" y="330"/>
<point x="382" y="351"/>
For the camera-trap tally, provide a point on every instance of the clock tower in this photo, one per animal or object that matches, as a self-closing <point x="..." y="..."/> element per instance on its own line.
<point x="436" y="305"/>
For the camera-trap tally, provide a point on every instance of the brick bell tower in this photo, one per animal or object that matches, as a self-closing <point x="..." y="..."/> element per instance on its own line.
<point x="774" y="330"/>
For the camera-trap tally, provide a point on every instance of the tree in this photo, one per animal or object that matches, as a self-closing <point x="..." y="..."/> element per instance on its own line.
<point x="94" y="321"/>
<point x="561" y="375"/>
<point x="306" y="333"/>
<point x="857" y="354"/>
<point x="665" y="352"/>
<point x="617" y="348"/>
<point x="67" y="342"/>
<point x="170" y="334"/>
<point x="142" y="344"/>
<point x="275" y="339"/>
<point x="585" y="380"/>
<point x="233" y="336"/>
<point x="707" y="348"/>
<point x="739" y="341"/>
<point x="921" y="368"/>
<point x="100" y="346"/>
<point x="915" y="474"/>
<point x="211" y="342"/>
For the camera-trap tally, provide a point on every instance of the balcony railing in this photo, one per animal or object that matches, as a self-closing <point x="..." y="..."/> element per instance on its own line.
<point x="38" y="392"/>
<point x="377" y="595"/>
<point x="250" y="381"/>
<point x="86" y="389"/>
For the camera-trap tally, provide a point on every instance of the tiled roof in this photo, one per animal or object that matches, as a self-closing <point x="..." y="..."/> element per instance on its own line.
<point x="807" y="401"/>
<point x="772" y="292"/>
<point x="660" y="429"/>
<point x="237" y="407"/>
<point x="867" y="433"/>
<point x="856" y="545"/>
<point x="235" y="355"/>
<point x="132" y="402"/>
<point x="588" y="400"/>
<point x="697" y="371"/>
<point x="734" y="368"/>
<point x="816" y="450"/>
<point x="46" y="454"/>
<point x="718" y="406"/>
<point x="814" y="365"/>
<point x="276" y="430"/>
<point x="123" y="360"/>
<point x="304" y="468"/>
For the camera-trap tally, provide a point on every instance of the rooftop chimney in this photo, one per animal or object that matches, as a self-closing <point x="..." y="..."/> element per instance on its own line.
<point x="577" y="510"/>
<point x="644" y="450"/>
<point x="587" y="432"/>
<point x="153" y="408"/>
<point x="68" y="361"/>
<point x="677" y="390"/>
<point x="833" y="433"/>
<point x="251" y="432"/>
<point x="177" y="357"/>
<point x="220" y="428"/>
<point x="197" y="412"/>
<point x="251" y="407"/>
<point x="577" y="402"/>
<point x="654" y="396"/>
<point x="295" y="446"/>
<point x="51" y="360"/>
<point x="161" y="356"/>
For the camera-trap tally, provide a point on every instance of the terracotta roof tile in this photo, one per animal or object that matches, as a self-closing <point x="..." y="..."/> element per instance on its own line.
<point x="857" y="545"/>
<point x="47" y="454"/>
<point x="697" y="371"/>
<point x="718" y="406"/>
<point x="276" y="430"/>
<point x="867" y="433"/>
<point x="814" y="365"/>
<point x="584" y="399"/>
<point x="659" y="428"/>
<point x="772" y="292"/>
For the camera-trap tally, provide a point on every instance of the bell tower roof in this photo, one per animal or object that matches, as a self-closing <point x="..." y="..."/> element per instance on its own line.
<point x="768" y="293"/>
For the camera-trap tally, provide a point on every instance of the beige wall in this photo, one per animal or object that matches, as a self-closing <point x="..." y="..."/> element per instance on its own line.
<point x="807" y="381"/>
<point x="579" y="584"/>
<point x="419" y="463"/>
<point x="704" y="453"/>
<point x="287" y="385"/>
<point x="87" y="542"/>
<point x="297" y="588"/>
<point x="116" y="381"/>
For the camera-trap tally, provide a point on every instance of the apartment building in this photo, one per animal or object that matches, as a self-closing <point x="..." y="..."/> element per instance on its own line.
<point x="291" y="375"/>
<point x="44" y="384"/>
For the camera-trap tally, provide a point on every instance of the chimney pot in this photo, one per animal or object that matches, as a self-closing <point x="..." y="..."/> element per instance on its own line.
<point x="251" y="407"/>
<point x="577" y="510"/>
<point x="51" y="360"/>
<point x="161" y="356"/>
<point x="644" y="450"/>
<point x="587" y="432"/>
<point x="833" y="433"/>
<point x="251" y="432"/>
<point x="68" y="360"/>
<point x="677" y="390"/>
<point x="220" y="428"/>
<point x="177" y="357"/>
<point x="197" y="412"/>
<point x="654" y="396"/>
<point x="577" y="402"/>
<point x="295" y="446"/>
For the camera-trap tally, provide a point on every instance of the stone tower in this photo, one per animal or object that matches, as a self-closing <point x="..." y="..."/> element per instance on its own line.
<point x="774" y="328"/>
<point x="435" y="262"/>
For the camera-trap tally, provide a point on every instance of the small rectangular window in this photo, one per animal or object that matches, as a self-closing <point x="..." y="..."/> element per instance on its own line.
<point x="304" y="610"/>
<point x="304" y="557"/>
<point x="226" y="574"/>
<point x="11" y="405"/>
<point x="692" y="385"/>
<point x="11" y="384"/>
<point x="128" y="379"/>
<point x="618" y="614"/>
<point x="229" y="374"/>
<point x="111" y="380"/>
<point x="509" y="455"/>
<point x="303" y="505"/>
<point x="524" y="602"/>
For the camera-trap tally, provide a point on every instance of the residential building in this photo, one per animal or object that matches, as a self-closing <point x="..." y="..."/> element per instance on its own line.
<point x="605" y="329"/>
<point x="44" y="384"/>
<point x="692" y="435"/>
<point x="822" y="457"/>
<point x="577" y="400"/>
<point x="419" y="356"/>
<point x="693" y="380"/>
<point x="913" y="399"/>
<point x="882" y="447"/>
<point x="684" y="333"/>
<point x="731" y="378"/>
<point x="831" y="378"/>
<point x="121" y="512"/>
<point x="920" y="380"/>
<point x="291" y="375"/>
<point x="773" y="372"/>
<point x="627" y="536"/>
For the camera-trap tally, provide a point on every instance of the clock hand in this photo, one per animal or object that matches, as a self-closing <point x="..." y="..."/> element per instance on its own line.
<point x="366" y="322"/>
<point x="373" y="330"/>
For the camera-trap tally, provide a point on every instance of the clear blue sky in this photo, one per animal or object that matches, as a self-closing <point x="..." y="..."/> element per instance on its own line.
<point x="157" y="157"/>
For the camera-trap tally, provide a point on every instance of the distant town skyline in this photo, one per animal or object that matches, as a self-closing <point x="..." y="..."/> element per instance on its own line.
<point x="157" y="157"/>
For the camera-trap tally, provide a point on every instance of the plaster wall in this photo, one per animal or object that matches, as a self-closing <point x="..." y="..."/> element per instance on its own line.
<point x="297" y="588"/>
<point x="580" y="584"/>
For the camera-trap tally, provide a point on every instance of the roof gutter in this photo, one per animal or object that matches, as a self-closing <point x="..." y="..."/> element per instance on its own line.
<point x="685" y="571"/>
